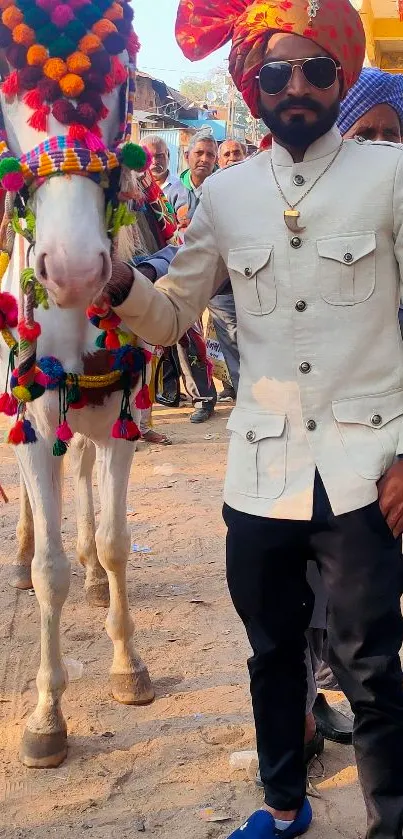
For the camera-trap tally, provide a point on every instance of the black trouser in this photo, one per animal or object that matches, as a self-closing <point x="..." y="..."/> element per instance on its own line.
<point x="360" y="563"/>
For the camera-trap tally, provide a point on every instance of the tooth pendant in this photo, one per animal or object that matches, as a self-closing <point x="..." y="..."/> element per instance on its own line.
<point x="291" y="219"/>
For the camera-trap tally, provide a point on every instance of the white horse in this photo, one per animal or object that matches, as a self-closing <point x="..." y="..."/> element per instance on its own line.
<point x="72" y="261"/>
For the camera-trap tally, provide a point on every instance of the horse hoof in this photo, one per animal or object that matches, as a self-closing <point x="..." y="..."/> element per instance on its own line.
<point x="98" y="594"/>
<point x="20" y="577"/>
<point x="133" y="688"/>
<point x="43" y="751"/>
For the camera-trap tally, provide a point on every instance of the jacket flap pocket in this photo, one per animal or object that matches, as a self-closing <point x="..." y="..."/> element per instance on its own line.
<point x="248" y="261"/>
<point x="374" y="411"/>
<point x="254" y="426"/>
<point x="347" y="249"/>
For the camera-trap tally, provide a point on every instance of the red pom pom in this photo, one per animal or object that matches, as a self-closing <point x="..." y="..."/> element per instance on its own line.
<point x="104" y="112"/>
<point x="29" y="332"/>
<point x="16" y="434"/>
<point x="125" y="429"/>
<point x="77" y="132"/>
<point x="34" y="99"/>
<point x="39" y="119"/>
<point x="92" y="98"/>
<point x="93" y="81"/>
<point x="16" y="55"/>
<point x="64" y="111"/>
<point x="9" y="308"/>
<point x="48" y="89"/>
<point x="132" y="431"/>
<point x="29" y="77"/>
<point x="8" y="404"/>
<point x="64" y="432"/>
<point x="109" y="83"/>
<point x="143" y="399"/>
<point x="112" y="341"/>
<point x="86" y="115"/>
<point x="119" y="429"/>
<point x="118" y="72"/>
<point x="133" y="45"/>
<point x="11" y="85"/>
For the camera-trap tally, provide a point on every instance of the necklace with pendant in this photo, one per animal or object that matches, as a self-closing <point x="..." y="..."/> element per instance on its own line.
<point x="292" y="215"/>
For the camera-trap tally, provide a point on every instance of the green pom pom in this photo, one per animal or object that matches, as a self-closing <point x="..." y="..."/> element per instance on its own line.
<point x="47" y="34"/>
<point x="9" y="164"/>
<point x="61" y="47"/>
<point x="100" y="341"/>
<point x="134" y="157"/>
<point x="59" y="448"/>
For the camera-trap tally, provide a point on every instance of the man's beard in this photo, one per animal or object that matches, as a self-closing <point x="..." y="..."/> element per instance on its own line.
<point x="297" y="133"/>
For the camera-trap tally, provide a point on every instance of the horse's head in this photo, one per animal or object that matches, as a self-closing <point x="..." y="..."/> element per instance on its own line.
<point x="62" y="118"/>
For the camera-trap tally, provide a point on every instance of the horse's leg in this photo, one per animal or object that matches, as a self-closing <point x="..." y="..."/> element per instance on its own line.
<point x="82" y="459"/>
<point x="129" y="676"/>
<point x="20" y="576"/>
<point x="45" y="738"/>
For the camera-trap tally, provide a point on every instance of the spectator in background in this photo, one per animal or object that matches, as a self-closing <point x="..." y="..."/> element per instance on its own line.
<point x="230" y="151"/>
<point x="222" y="305"/>
<point x="170" y="184"/>
<point x="182" y="195"/>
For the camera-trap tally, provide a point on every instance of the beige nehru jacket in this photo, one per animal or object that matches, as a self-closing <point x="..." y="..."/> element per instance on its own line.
<point x="321" y="382"/>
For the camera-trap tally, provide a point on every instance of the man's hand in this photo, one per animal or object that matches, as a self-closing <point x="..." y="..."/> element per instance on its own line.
<point x="390" y="491"/>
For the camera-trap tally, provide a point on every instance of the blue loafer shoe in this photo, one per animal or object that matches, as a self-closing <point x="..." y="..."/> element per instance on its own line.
<point x="261" y="825"/>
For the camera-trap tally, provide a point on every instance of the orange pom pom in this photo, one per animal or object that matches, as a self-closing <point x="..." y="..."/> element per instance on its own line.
<point x="115" y="12"/>
<point x="78" y="63"/>
<point x="103" y="27"/>
<point x="55" y="69"/>
<point x="89" y="44"/>
<point x="37" y="55"/>
<point x="72" y="85"/>
<point x="23" y="34"/>
<point x="12" y="17"/>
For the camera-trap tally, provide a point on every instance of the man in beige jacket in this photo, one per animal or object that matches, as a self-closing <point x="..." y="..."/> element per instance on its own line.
<point x="311" y="234"/>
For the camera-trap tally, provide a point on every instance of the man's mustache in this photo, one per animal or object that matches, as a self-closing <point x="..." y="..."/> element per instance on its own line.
<point x="302" y="102"/>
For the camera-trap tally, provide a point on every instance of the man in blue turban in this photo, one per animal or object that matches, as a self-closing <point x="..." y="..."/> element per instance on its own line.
<point x="373" y="108"/>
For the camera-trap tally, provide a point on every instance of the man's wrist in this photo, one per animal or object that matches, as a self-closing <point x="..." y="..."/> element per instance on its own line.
<point x="120" y="284"/>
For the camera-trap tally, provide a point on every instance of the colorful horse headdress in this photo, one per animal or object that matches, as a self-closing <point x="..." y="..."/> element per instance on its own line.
<point x="63" y="56"/>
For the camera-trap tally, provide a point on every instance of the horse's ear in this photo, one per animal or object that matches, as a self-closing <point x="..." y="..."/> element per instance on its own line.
<point x="4" y="66"/>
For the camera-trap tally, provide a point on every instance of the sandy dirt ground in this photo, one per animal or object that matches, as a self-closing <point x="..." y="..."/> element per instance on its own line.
<point x="149" y="770"/>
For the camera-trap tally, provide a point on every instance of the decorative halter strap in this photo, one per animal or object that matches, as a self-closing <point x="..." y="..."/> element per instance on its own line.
<point x="65" y="155"/>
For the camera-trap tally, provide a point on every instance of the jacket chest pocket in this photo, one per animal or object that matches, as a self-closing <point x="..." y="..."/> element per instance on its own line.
<point x="347" y="268"/>
<point x="369" y="427"/>
<point x="252" y="274"/>
<point x="257" y="453"/>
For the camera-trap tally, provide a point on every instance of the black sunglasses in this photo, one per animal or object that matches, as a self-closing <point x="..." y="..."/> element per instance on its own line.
<point x="321" y="72"/>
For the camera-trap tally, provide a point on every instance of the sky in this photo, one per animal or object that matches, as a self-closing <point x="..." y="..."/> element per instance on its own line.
<point x="154" y="23"/>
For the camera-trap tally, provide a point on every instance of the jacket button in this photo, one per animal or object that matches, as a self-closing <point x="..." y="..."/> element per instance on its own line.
<point x="376" y="419"/>
<point x="251" y="436"/>
<point x="311" y="425"/>
<point x="348" y="257"/>
<point x="248" y="271"/>
<point x="305" y="367"/>
<point x="299" y="180"/>
<point x="296" y="242"/>
<point x="300" y="305"/>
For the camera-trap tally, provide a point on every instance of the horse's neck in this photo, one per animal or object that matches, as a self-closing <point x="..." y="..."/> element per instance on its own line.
<point x="66" y="334"/>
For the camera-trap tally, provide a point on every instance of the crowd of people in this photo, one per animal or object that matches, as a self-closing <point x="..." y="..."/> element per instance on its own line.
<point x="297" y="253"/>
